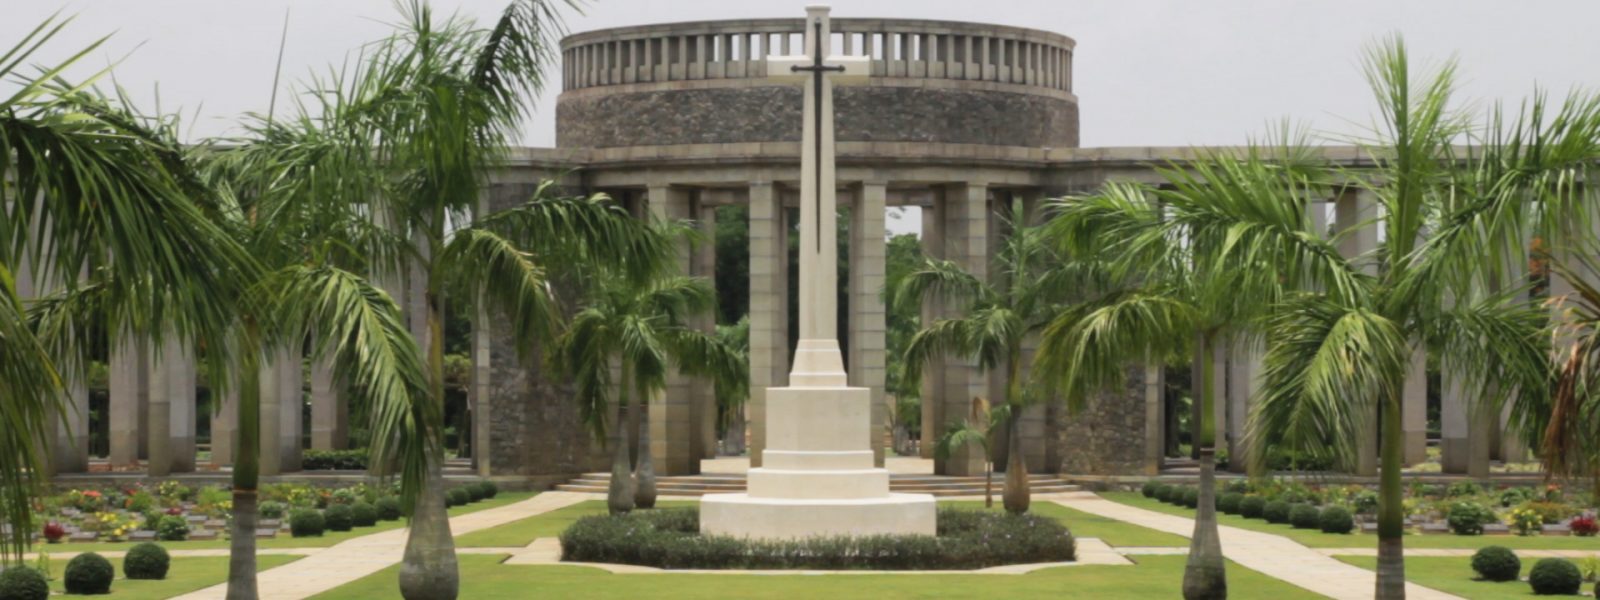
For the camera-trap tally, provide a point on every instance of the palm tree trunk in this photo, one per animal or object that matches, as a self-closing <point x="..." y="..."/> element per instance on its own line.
<point x="988" y="485"/>
<point x="1204" y="576"/>
<point x="619" y="494"/>
<point x="429" y="571"/>
<point x="246" y="479"/>
<point x="1018" y="495"/>
<point x="1391" y="511"/>
<point x="644" y="472"/>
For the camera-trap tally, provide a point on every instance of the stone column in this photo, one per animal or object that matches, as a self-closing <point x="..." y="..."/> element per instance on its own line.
<point x="868" y="319"/>
<point x="769" y="301"/>
<point x="705" y="267"/>
<point x="481" y="394"/>
<point x="1414" y="407"/>
<point x="281" y="398"/>
<point x="1356" y="208"/>
<point x="129" y="394"/>
<point x="1035" y="426"/>
<point x="932" y="377"/>
<point x="1154" y="426"/>
<point x="224" y="427"/>
<point x="674" y="445"/>
<point x="329" y="408"/>
<point x="171" y="410"/>
<point x="966" y="229"/>
<point x="66" y="447"/>
<point x="1244" y="373"/>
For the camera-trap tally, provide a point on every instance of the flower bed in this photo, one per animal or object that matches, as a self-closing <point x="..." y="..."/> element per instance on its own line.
<point x="670" y="539"/>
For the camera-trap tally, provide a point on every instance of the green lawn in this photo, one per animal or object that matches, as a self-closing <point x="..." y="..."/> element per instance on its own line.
<point x="520" y="533"/>
<point x="187" y="575"/>
<point x="284" y="540"/>
<point x="1454" y="575"/>
<point x="483" y="577"/>
<point x="1316" y="539"/>
<point x="1082" y="524"/>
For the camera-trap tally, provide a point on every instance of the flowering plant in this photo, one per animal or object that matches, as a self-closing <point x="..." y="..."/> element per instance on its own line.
<point x="1584" y="525"/>
<point x="53" y="532"/>
<point x="85" y="500"/>
<point x="1526" y="521"/>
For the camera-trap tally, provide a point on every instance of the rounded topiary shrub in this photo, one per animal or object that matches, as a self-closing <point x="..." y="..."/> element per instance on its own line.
<point x="1164" y="491"/>
<point x="1276" y="511"/>
<point x="388" y="508"/>
<point x="1229" y="503"/>
<point x="490" y="489"/>
<point x="1252" y="507"/>
<point x="1191" y="497"/>
<point x="1305" y="516"/>
<point x="1149" y="489"/>
<point x="89" y="573"/>
<point x="363" y="515"/>
<point x="1175" y="497"/>
<point x="306" y="522"/>
<point x="271" y="510"/>
<point x="1554" y="577"/>
<point x="1335" y="519"/>
<point x="1468" y="518"/>
<point x="146" y="561"/>
<point x="474" y="492"/>
<point x="457" y="497"/>
<point x="338" y="518"/>
<point x="23" y="583"/>
<point x="172" y="528"/>
<point x="1497" y="563"/>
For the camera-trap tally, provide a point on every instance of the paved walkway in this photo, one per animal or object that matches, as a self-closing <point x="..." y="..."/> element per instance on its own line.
<point x="1273" y="555"/>
<point x="359" y="557"/>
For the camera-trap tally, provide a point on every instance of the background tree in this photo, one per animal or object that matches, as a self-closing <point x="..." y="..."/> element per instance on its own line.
<point x="643" y="329"/>
<point x="978" y="429"/>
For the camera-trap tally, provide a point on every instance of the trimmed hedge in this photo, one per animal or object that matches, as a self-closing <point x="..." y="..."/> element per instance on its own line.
<point x="1228" y="503"/>
<point x="490" y="490"/>
<point x="457" y="497"/>
<point x="1276" y="511"/>
<point x="1191" y="497"/>
<point x="363" y="515"/>
<point x="1305" y="516"/>
<point x="338" y="518"/>
<point x="1336" y="519"/>
<point x="388" y="508"/>
<point x="1149" y="489"/>
<point x="306" y="522"/>
<point x="89" y="573"/>
<point x="146" y="561"/>
<point x="1497" y="563"/>
<point x="1252" y="506"/>
<point x="1555" y="577"/>
<point x="329" y="460"/>
<point x="23" y="583"/>
<point x="669" y="538"/>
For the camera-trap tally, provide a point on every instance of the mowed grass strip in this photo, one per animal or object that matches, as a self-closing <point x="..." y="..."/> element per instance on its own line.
<point x="1086" y="525"/>
<point x="1454" y="575"/>
<point x="1317" y="539"/>
<point x="517" y="534"/>
<point x="187" y="574"/>
<point x="483" y="577"/>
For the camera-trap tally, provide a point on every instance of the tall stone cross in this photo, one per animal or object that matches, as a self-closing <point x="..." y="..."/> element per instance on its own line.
<point x="818" y="362"/>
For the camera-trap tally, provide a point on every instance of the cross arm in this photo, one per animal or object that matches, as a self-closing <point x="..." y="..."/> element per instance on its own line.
<point x="856" y="69"/>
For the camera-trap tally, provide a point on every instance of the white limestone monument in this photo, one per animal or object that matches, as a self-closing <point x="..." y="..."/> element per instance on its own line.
<point x="817" y="476"/>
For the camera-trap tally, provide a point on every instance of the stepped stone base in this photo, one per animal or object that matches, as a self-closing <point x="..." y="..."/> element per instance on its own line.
<point x="740" y="515"/>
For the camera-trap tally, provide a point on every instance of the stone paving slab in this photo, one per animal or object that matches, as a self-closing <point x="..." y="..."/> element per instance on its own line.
<point x="1461" y="552"/>
<point x="362" y="556"/>
<point x="182" y="553"/>
<point x="1273" y="555"/>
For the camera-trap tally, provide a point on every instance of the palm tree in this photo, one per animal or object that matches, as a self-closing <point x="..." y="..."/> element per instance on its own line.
<point x="1029" y="287"/>
<point x="731" y="396"/>
<point x="1569" y="447"/>
<point x="89" y="174"/>
<point x="978" y="429"/>
<point x="643" y="328"/>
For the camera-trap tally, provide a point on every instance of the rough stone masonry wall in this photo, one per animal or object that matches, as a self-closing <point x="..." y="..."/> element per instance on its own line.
<point x="1107" y="436"/>
<point x="535" y="426"/>
<point x="772" y="114"/>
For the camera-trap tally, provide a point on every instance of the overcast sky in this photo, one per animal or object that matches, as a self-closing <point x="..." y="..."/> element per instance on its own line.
<point x="1171" y="72"/>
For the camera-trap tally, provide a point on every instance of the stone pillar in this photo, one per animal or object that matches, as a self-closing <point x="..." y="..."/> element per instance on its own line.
<point x="329" y="408"/>
<point x="868" y="318"/>
<point x="481" y="395"/>
<point x="674" y="445"/>
<point x="1244" y="373"/>
<point x="128" y="396"/>
<point x="1220" y="356"/>
<point x="705" y="268"/>
<point x="769" y="302"/>
<point x="172" y="409"/>
<point x="966" y="232"/>
<point x="1414" y="407"/>
<point x="1356" y="209"/>
<point x="932" y="377"/>
<point x="225" y="427"/>
<point x="281" y="398"/>
<point x="66" y="447"/>
<point x="1154" y="427"/>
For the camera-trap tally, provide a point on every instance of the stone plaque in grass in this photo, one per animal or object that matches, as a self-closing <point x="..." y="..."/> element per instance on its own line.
<point x="1369" y="527"/>
<point x="266" y="533"/>
<point x="1435" y="528"/>
<point x="83" y="536"/>
<point x="143" y="535"/>
<point x="216" y="524"/>
<point x="1557" y="529"/>
<point x="203" y="534"/>
<point x="1496" y="529"/>
<point x="269" y="523"/>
